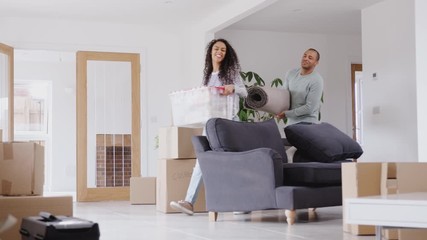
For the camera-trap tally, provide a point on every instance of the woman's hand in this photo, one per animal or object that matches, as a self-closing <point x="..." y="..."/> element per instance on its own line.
<point x="228" y="89"/>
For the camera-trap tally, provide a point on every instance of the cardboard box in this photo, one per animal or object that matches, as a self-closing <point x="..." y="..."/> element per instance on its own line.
<point x="389" y="186"/>
<point x="25" y="206"/>
<point x="21" y="168"/>
<point x="175" y="142"/>
<point x="360" y="180"/>
<point x="388" y="179"/>
<point x="394" y="178"/>
<point x="412" y="234"/>
<point x="390" y="233"/>
<point x="172" y="182"/>
<point x="412" y="177"/>
<point x="143" y="190"/>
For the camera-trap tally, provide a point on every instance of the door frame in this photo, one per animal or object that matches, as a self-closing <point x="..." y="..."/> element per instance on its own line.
<point x="105" y="193"/>
<point x="8" y="50"/>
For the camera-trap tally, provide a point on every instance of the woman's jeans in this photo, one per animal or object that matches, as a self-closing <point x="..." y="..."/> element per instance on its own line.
<point x="194" y="186"/>
<point x="195" y="181"/>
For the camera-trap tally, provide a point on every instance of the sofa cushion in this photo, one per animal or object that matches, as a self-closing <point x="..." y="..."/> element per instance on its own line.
<point x="313" y="174"/>
<point x="233" y="136"/>
<point x="322" y="142"/>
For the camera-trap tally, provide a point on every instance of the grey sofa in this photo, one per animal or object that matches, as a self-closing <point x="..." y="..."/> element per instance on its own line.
<point x="244" y="167"/>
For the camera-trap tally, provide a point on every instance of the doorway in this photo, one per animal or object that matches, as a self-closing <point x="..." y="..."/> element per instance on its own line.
<point x="356" y="93"/>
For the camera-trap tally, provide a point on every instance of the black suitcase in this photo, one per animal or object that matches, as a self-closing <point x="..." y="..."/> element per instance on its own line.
<point x="49" y="227"/>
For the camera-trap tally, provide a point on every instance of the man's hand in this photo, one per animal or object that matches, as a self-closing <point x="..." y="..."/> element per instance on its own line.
<point x="281" y="115"/>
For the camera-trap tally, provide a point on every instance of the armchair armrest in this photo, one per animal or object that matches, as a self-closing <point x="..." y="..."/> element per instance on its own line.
<point x="241" y="181"/>
<point x="200" y="144"/>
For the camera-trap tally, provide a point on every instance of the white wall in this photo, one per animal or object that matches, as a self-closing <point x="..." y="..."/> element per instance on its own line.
<point x="271" y="54"/>
<point x="388" y="42"/>
<point x="59" y="68"/>
<point x="421" y="59"/>
<point x="161" y="53"/>
<point x="168" y="55"/>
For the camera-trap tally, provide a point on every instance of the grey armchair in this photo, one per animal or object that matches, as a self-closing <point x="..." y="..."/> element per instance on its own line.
<point x="244" y="167"/>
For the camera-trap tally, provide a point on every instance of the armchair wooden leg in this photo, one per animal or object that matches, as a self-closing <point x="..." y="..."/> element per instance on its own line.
<point x="290" y="216"/>
<point x="213" y="216"/>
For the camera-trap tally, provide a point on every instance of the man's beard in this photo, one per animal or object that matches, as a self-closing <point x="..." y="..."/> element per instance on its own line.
<point x="306" y="68"/>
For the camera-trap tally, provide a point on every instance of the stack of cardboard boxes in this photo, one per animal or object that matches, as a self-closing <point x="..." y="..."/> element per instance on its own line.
<point x="412" y="177"/>
<point x="368" y="179"/>
<point x="176" y="162"/>
<point x="21" y="185"/>
<point x="375" y="178"/>
<point x="191" y="109"/>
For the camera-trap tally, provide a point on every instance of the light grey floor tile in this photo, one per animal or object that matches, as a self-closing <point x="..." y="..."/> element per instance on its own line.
<point x="122" y="221"/>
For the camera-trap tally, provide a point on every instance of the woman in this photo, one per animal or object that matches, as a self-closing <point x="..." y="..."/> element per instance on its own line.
<point x="222" y="68"/>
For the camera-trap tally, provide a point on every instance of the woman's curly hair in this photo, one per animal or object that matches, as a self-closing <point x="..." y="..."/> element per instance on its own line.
<point x="229" y="68"/>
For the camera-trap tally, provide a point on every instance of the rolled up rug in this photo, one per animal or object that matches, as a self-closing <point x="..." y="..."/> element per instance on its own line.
<point x="267" y="99"/>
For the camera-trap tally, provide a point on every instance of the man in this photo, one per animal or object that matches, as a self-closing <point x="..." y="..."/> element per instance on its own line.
<point x="305" y="86"/>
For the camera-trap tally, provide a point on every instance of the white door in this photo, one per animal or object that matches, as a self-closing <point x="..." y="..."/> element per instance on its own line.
<point x="108" y="124"/>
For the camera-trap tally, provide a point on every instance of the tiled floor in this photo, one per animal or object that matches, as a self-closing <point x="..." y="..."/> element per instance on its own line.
<point x="123" y="221"/>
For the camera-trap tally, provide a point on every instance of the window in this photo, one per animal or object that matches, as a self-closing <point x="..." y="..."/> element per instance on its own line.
<point x="32" y="100"/>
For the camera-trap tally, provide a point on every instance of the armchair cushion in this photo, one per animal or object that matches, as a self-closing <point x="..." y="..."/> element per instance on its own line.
<point x="232" y="136"/>
<point x="312" y="174"/>
<point x="322" y="142"/>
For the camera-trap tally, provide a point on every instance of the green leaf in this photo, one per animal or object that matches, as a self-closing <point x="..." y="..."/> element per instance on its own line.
<point x="251" y="112"/>
<point x="243" y="116"/>
<point x="276" y="82"/>
<point x="249" y="76"/>
<point x="259" y="80"/>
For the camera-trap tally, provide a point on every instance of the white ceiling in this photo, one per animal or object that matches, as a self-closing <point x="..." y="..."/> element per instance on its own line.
<point x="308" y="16"/>
<point x="313" y="16"/>
<point x="114" y="11"/>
